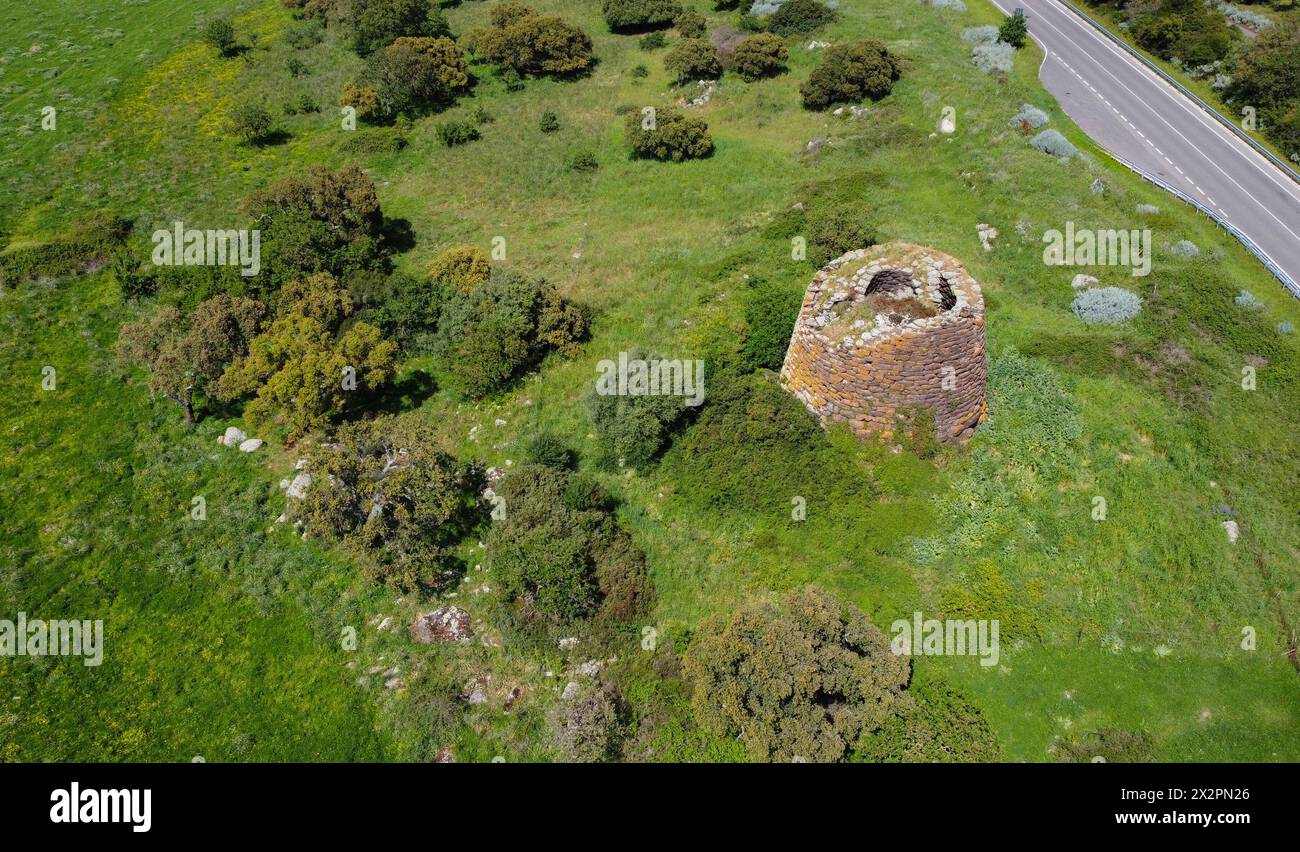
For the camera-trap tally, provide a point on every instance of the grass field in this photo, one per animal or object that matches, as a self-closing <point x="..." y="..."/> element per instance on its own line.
<point x="227" y="634"/>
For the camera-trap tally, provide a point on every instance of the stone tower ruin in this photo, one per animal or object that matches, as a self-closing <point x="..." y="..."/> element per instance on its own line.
<point x="888" y="330"/>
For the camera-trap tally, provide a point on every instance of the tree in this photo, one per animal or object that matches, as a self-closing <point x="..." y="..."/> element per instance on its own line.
<point x="693" y="59"/>
<point x="851" y="72"/>
<point x="1014" y="30"/>
<point x="364" y="99"/>
<point x="762" y="55"/>
<point x="529" y="43"/>
<point x="220" y="34"/>
<point x="800" y="16"/>
<point x="185" y="360"/>
<point x="668" y="134"/>
<point x="560" y="556"/>
<point x="636" y="15"/>
<point x="320" y="221"/>
<point x="415" y="73"/>
<point x="770" y="314"/>
<point x="801" y="680"/>
<point x="691" y="24"/>
<point x="462" y="268"/>
<point x="300" y="372"/>
<point x="250" y="123"/>
<point x="376" y="23"/>
<point x="487" y="336"/>
<point x="585" y="728"/>
<point x="383" y="487"/>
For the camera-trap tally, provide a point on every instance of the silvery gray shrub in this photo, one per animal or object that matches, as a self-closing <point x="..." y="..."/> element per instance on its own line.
<point x="1185" y="248"/>
<point x="1285" y="327"/>
<point x="993" y="57"/>
<point x="1148" y="209"/>
<point x="980" y="35"/>
<point x="954" y="5"/>
<point x="1247" y="299"/>
<point x="1031" y="114"/>
<point x="1111" y="305"/>
<point x="1052" y="142"/>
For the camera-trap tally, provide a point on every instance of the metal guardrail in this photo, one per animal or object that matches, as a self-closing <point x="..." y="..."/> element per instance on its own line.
<point x="1196" y="99"/>
<point x="1246" y="241"/>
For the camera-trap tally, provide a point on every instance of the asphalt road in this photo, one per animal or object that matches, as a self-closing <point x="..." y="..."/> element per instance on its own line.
<point x="1136" y="115"/>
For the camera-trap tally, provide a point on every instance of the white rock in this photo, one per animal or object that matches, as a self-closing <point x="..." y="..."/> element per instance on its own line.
<point x="250" y="445"/>
<point x="570" y="690"/>
<point x="568" y="642"/>
<point x="298" y="488"/>
<point x="234" y="436"/>
<point x="1233" y="531"/>
<point x="1082" y="281"/>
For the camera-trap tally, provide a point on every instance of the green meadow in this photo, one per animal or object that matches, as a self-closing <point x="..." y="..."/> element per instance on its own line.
<point x="222" y="636"/>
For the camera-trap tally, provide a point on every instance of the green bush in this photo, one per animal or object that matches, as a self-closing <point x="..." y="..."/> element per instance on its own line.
<point x="1014" y="30"/>
<point x="416" y="73"/>
<point x="550" y="122"/>
<point x="250" y="123"/>
<point x="582" y="161"/>
<point x="938" y="725"/>
<point x="490" y="335"/>
<point x="529" y="43"/>
<point x="98" y="239"/>
<point x="850" y="73"/>
<point x="559" y="565"/>
<point x="802" y="680"/>
<point x="693" y="59"/>
<point x="837" y="228"/>
<point x="461" y="268"/>
<point x="691" y="24"/>
<point x="453" y="133"/>
<point x="633" y="15"/>
<point x="1187" y="30"/>
<point x="770" y="313"/>
<point x="653" y="41"/>
<point x="219" y="33"/>
<point x="800" y="16"/>
<point x="548" y="449"/>
<point x="763" y="55"/>
<point x="633" y="429"/>
<point x="671" y="136"/>
<point x="376" y="23"/>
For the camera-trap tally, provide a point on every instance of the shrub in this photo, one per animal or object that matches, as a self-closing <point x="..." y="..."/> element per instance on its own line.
<point x="1052" y="142"/>
<point x="1248" y="300"/>
<point x="672" y="136"/>
<point x="1185" y="248"/>
<point x="630" y="429"/>
<point x="939" y="725"/>
<point x="639" y="14"/>
<point x="405" y="309"/>
<point x="305" y="35"/>
<point x="949" y="5"/>
<point x="1113" y="745"/>
<point x="582" y="161"/>
<point x="693" y="59"/>
<point x="251" y="124"/>
<point x="457" y="133"/>
<point x="849" y="73"/>
<point x="1014" y="30"/>
<point x="766" y="674"/>
<point x="529" y="43"/>
<point x="770" y="313"/>
<point x="1285" y="327"/>
<point x="691" y="24"/>
<point x="321" y="221"/>
<point x="980" y="35"/>
<point x="548" y="449"/>
<point x="1030" y="116"/>
<point x="653" y="41"/>
<point x="1106" y="305"/>
<point x="800" y="16"/>
<point x="384" y="488"/>
<point x="363" y="99"/>
<point x="415" y="73"/>
<point x="302" y="104"/>
<point x="373" y="140"/>
<point x="296" y="67"/>
<point x="1147" y="209"/>
<point x="993" y="58"/>
<point x="836" y="228"/>
<point x="219" y="33"/>
<point x="550" y="122"/>
<point x="488" y="336"/>
<point x="640" y="72"/>
<point x="764" y="55"/>
<point x="585" y="728"/>
<point x="1186" y="30"/>
<point x="559" y="564"/>
<point x="461" y="268"/>
<point x="376" y="23"/>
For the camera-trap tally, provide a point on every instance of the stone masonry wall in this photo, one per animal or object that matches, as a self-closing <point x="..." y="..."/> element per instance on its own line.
<point x="849" y="363"/>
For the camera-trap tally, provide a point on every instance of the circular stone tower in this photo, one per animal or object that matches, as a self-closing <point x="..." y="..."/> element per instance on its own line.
<point x="888" y="330"/>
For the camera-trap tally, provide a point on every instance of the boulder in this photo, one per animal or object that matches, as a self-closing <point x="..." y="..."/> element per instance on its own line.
<point x="250" y="445"/>
<point x="1081" y="281"/>
<point x="234" y="436"/>
<point x="298" y="487"/>
<point x="446" y="624"/>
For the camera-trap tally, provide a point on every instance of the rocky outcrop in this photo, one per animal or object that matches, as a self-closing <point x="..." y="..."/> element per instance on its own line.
<point x="886" y="331"/>
<point x="448" y="624"/>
